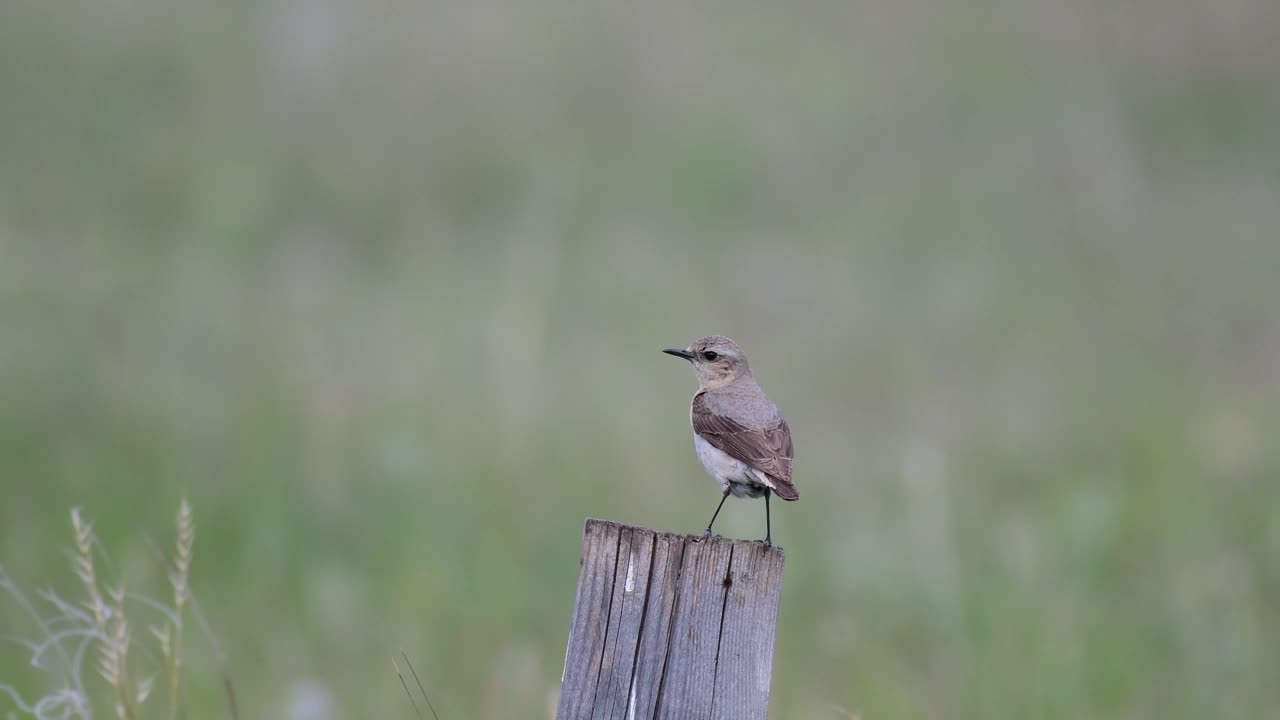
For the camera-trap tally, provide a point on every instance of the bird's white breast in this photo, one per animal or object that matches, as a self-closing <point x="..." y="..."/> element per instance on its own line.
<point x="728" y="470"/>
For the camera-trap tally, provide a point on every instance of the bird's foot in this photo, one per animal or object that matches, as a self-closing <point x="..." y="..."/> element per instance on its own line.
<point x="707" y="533"/>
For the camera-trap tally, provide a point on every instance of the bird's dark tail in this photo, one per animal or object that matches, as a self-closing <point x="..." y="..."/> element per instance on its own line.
<point x="785" y="490"/>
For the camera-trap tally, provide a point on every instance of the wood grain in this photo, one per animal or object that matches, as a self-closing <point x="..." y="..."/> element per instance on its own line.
<point x="670" y="626"/>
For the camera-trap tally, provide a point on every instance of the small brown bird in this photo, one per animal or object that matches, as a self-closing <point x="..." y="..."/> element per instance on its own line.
<point x="738" y="433"/>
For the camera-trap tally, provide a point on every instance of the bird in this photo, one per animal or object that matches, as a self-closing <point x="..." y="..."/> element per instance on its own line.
<point x="738" y="433"/>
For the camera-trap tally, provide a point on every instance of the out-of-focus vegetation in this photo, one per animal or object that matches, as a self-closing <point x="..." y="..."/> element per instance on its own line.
<point x="381" y="288"/>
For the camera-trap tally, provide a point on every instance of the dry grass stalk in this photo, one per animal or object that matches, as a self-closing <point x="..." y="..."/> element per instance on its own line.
<point x="110" y="620"/>
<point x="172" y="650"/>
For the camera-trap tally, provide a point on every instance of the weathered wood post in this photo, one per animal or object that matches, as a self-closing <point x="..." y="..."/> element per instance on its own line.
<point x="670" y="627"/>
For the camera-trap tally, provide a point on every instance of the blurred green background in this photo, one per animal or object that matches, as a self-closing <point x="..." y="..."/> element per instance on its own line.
<point x="381" y="287"/>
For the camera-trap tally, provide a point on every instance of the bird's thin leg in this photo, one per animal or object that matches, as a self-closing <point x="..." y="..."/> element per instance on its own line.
<point x="768" y="530"/>
<point x="707" y="532"/>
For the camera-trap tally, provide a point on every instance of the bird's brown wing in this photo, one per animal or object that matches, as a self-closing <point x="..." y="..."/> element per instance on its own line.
<point x="768" y="450"/>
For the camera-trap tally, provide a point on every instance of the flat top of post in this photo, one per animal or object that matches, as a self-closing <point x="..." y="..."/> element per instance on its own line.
<point x="691" y="537"/>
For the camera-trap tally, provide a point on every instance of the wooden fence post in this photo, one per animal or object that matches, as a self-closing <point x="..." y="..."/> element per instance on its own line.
<point x="670" y="627"/>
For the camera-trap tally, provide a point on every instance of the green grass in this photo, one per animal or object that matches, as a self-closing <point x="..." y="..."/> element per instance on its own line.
<point x="381" y="289"/>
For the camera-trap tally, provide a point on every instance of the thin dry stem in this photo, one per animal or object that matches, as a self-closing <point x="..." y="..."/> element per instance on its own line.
<point x="405" y="685"/>
<point x="421" y="689"/>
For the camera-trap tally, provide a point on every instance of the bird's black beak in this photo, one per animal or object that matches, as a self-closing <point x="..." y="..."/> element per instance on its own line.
<point x="679" y="353"/>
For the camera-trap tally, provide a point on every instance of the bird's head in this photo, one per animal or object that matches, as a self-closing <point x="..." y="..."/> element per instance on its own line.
<point x="716" y="361"/>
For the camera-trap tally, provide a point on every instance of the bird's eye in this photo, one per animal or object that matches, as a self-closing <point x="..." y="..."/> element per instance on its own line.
<point x="709" y="356"/>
